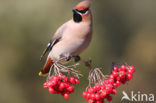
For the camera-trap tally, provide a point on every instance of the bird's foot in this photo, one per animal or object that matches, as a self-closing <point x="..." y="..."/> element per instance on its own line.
<point x="77" y="58"/>
<point x="67" y="58"/>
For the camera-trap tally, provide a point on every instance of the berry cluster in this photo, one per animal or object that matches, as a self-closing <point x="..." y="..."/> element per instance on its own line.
<point x="61" y="84"/>
<point x="122" y="74"/>
<point x="99" y="92"/>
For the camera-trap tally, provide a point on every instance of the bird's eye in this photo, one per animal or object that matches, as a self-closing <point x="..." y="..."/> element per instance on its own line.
<point x="82" y="11"/>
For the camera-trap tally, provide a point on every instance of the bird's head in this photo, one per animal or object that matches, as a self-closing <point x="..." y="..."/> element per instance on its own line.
<point x="81" y="11"/>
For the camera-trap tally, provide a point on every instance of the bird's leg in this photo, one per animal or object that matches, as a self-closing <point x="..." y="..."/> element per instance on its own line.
<point x="77" y="58"/>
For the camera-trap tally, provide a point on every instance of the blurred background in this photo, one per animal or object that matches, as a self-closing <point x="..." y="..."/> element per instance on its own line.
<point x="124" y="31"/>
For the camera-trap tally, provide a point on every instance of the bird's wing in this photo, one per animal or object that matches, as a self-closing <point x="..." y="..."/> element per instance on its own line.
<point x="49" y="47"/>
<point x="56" y="38"/>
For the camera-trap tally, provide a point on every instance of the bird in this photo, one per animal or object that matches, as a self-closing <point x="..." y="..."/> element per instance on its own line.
<point x="71" y="38"/>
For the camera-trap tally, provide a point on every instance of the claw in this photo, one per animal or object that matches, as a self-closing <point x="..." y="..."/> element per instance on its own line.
<point x="68" y="58"/>
<point x="77" y="58"/>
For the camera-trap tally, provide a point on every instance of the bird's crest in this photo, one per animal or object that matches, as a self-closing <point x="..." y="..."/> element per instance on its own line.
<point x="83" y="5"/>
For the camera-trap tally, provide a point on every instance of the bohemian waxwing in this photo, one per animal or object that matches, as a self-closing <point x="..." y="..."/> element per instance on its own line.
<point x="72" y="38"/>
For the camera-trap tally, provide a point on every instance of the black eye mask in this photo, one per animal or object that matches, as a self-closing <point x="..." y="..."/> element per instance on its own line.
<point x="82" y="11"/>
<point x="77" y="17"/>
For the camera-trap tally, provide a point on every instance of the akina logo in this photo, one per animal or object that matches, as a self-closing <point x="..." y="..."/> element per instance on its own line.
<point x="138" y="97"/>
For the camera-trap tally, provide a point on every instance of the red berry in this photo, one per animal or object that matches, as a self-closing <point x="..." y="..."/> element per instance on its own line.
<point x="94" y="88"/>
<point x="103" y="87"/>
<point x="70" y="89"/>
<point x="90" y="101"/>
<point x="99" y="101"/>
<point x="118" y="83"/>
<point x="111" y="81"/>
<point x="52" y="83"/>
<point x="111" y="76"/>
<point x="65" y="79"/>
<point x="103" y="94"/>
<point x="108" y="89"/>
<point x="84" y="94"/>
<point x="97" y="96"/>
<point x="55" y="78"/>
<point x="106" y="81"/>
<point x="45" y="85"/>
<point x="109" y="98"/>
<point x="97" y="87"/>
<point x="115" y="85"/>
<point x="122" y="74"/>
<point x="110" y="85"/>
<point x="72" y="80"/>
<point x="131" y="69"/>
<point x="115" y="69"/>
<point x="77" y="81"/>
<point x="66" y="96"/>
<point x="92" y="96"/>
<point x="115" y="74"/>
<point x="123" y="68"/>
<point x="51" y="90"/>
<point x="88" y="96"/>
<point x="62" y="86"/>
<point x="114" y="91"/>
<point x="129" y="76"/>
<point x="58" y="78"/>
<point x="90" y="90"/>
<point x="118" y="78"/>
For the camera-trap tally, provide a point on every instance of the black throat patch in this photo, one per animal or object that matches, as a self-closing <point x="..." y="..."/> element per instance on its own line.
<point x="77" y="17"/>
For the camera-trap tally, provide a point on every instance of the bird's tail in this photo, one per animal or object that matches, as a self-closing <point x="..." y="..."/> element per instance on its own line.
<point x="46" y="68"/>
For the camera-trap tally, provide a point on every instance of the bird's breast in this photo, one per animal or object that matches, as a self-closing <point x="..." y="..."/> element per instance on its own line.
<point x="77" y="30"/>
<point x="75" y="39"/>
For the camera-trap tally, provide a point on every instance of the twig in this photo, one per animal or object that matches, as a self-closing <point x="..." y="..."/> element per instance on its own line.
<point x="95" y="75"/>
<point x="58" y="68"/>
